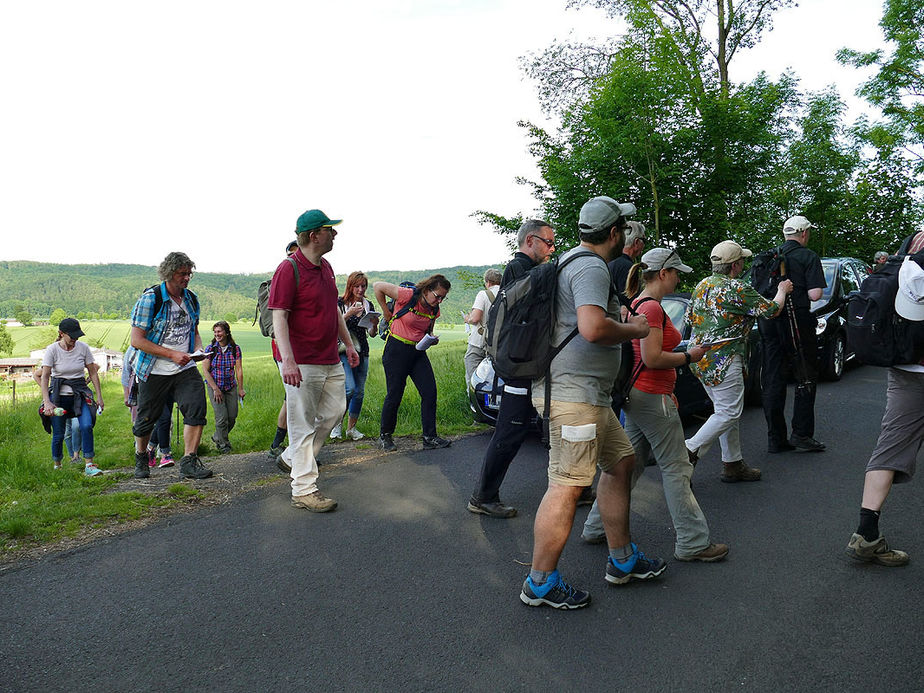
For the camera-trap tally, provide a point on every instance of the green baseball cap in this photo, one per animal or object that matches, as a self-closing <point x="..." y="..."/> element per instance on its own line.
<point x="314" y="219"/>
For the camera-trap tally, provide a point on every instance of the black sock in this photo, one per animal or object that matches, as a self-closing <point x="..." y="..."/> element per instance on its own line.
<point x="869" y="524"/>
<point x="280" y="436"/>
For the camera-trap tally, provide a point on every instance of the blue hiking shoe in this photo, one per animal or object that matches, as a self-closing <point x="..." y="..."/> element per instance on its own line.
<point x="92" y="470"/>
<point x="555" y="592"/>
<point x="638" y="567"/>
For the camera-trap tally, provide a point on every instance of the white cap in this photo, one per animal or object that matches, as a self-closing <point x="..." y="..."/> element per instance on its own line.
<point x="797" y="224"/>
<point x="909" y="300"/>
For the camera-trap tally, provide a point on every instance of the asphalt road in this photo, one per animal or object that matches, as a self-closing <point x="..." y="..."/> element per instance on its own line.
<point x="402" y="589"/>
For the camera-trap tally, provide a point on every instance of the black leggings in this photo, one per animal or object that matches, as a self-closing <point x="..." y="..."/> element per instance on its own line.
<point x="401" y="360"/>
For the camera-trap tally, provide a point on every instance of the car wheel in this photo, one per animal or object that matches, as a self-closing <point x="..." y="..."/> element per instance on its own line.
<point x="834" y="361"/>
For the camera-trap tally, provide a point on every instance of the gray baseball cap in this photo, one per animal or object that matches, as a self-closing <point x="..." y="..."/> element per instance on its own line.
<point x="664" y="258"/>
<point x="602" y="212"/>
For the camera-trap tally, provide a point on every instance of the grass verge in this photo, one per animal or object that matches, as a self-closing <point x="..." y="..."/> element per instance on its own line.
<point x="40" y="505"/>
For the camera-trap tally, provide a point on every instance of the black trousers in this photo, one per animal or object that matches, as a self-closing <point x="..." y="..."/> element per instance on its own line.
<point x="780" y="359"/>
<point x="513" y="424"/>
<point x="401" y="360"/>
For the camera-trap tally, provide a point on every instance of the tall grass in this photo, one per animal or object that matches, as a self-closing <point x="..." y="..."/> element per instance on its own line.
<point x="38" y="503"/>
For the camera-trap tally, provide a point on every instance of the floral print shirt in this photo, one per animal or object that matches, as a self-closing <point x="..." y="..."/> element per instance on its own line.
<point x="723" y="308"/>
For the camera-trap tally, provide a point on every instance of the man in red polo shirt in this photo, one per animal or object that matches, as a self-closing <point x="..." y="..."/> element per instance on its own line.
<point x="307" y="323"/>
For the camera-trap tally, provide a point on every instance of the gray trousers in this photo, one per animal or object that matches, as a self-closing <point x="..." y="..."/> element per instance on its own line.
<point x="902" y="426"/>
<point x="654" y="428"/>
<point x="473" y="356"/>
<point x="225" y="415"/>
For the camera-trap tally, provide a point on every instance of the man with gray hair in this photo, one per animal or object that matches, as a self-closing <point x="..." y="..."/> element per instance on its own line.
<point x="584" y="432"/>
<point x="536" y="241"/>
<point x="780" y="340"/>
<point x="632" y="250"/>
<point x="879" y="259"/>
<point x="722" y="312"/>
<point x="475" y="352"/>
<point x="165" y="338"/>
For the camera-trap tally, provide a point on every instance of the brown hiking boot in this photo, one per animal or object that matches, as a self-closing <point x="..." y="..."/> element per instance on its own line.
<point x="875" y="552"/>
<point x="315" y="502"/>
<point x="734" y="472"/>
<point x="711" y="554"/>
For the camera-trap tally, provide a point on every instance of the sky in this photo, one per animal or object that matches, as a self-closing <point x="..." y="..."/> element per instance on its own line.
<point x="130" y="130"/>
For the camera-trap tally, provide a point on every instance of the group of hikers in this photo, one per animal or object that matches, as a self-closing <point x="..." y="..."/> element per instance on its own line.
<point x="607" y="309"/>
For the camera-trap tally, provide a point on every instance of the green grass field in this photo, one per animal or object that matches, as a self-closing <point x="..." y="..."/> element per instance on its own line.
<point x="38" y="504"/>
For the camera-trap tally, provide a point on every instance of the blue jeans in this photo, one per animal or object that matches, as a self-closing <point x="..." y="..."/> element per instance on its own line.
<point x="59" y="423"/>
<point x="355" y="384"/>
<point x="72" y="436"/>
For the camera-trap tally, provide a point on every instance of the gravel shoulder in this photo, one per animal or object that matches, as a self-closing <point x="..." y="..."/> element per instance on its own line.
<point x="233" y="476"/>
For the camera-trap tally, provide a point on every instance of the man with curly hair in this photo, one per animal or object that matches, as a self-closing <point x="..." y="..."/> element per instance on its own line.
<point x="165" y="336"/>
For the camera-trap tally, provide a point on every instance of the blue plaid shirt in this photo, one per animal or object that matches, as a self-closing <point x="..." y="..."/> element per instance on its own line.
<point x="155" y="325"/>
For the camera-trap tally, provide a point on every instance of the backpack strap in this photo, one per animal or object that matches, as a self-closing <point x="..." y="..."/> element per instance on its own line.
<point x="637" y="371"/>
<point x="294" y="269"/>
<point x="547" y="402"/>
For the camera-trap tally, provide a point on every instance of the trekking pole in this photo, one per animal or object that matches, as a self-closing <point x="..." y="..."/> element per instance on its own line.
<point x="796" y="338"/>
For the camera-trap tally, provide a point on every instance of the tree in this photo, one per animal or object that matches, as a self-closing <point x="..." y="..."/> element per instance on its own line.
<point x="57" y="315"/>
<point x="23" y="316"/>
<point x="6" y="340"/>
<point x="898" y="87"/>
<point x="230" y="318"/>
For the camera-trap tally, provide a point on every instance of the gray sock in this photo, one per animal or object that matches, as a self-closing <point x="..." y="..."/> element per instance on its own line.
<point x="621" y="554"/>
<point x="539" y="576"/>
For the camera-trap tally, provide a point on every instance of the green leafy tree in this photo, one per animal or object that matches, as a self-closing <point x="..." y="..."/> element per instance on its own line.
<point x="57" y="315"/>
<point x="24" y="317"/>
<point x="230" y="318"/>
<point x="898" y="86"/>
<point x="6" y="340"/>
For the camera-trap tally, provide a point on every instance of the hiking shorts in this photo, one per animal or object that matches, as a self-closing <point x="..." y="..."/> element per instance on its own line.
<point x="582" y="438"/>
<point x="188" y="393"/>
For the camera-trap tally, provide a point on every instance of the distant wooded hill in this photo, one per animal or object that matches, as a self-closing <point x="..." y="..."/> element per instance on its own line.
<point x="111" y="290"/>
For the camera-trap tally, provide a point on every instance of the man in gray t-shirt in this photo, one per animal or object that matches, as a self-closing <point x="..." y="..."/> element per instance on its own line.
<point x="583" y="430"/>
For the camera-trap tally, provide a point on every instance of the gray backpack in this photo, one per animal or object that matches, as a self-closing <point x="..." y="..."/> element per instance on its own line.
<point x="263" y="313"/>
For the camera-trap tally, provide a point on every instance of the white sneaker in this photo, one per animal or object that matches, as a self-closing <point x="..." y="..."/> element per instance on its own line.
<point x="354" y="434"/>
<point x="337" y="432"/>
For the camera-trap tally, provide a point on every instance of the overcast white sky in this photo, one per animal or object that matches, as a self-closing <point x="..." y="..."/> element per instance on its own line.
<point x="133" y="129"/>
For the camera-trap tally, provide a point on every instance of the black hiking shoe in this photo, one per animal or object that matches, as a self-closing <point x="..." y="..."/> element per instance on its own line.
<point x="142" y="470"/>
<point x="192" y="468"/>
<point x="386" y="443"/>
<point x="435" y="443"/>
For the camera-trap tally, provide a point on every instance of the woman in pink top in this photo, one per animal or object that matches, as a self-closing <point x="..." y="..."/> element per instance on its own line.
<point x="652" y="421"/>
<point x="402" y="357"/>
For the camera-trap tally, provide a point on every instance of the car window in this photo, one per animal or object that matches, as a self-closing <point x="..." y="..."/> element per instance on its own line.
<point x="675" y="309"/>
<point x="829" y="267"/>
<point x="849" y="280"/>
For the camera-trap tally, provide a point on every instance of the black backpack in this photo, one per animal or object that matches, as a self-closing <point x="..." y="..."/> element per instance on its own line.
<point x="767" y="271"/>
<point x="877" y="334"/>
<point x="521" y="321"/>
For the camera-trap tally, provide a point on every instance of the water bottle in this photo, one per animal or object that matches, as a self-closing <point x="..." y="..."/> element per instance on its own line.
<point x="58" y="411"/>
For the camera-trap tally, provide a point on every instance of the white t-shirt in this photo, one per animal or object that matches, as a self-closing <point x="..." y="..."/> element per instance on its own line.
<point x="176" y="337"/>
<point x="482" y="303"/>
<point x="67" y="364"/>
